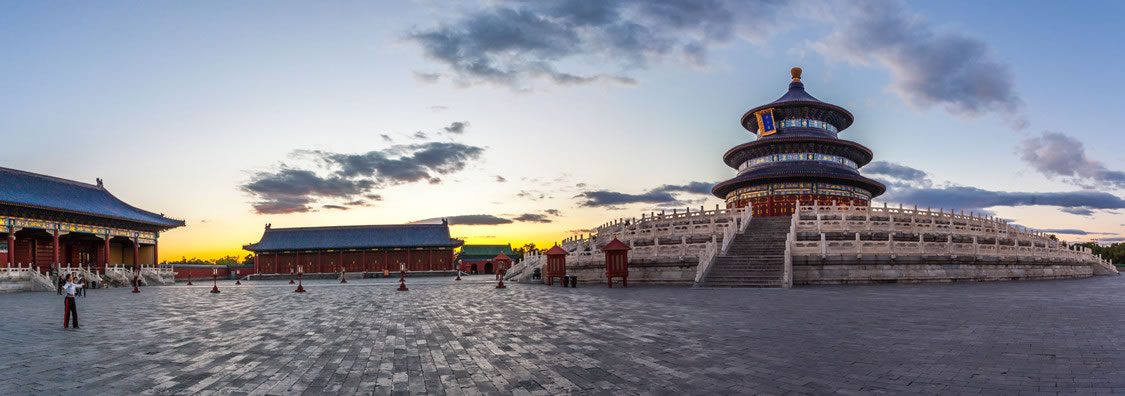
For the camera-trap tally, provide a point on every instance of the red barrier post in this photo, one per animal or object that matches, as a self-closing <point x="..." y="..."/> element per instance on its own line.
<point x="402" y="277"/>
<point x="237" y="277"/>
<point x="300" y="288"/>
<point x="215" y="280"/>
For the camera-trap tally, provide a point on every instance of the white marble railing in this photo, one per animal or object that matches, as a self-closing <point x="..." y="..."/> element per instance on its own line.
<point x="706" y="259"/>
<point x="914" y="232"/>
<point x="679" y="234"/>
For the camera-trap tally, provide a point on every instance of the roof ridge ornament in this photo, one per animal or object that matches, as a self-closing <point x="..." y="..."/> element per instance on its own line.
<point x="100" y="185"/>
<point x="796" y="73"/>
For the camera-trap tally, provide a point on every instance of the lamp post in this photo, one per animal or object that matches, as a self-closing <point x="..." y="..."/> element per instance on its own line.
<point x="136" y="277"/>
<point x="402" y="277"/>
<point x="342" y="272"/>
<point x="189" y="278"/>
<point x="215" y="280"/>
<point x="458" y="270"/>
<point x="237" y="277"/>
<point x="501" y="273"/>
<point x="291" y="276"/>
<point x="300" y="288"/>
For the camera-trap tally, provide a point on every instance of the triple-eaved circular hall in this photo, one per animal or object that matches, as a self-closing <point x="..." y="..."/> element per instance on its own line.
<point x="799" y="212"/>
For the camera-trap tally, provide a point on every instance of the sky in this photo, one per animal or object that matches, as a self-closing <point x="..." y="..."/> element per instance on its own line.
<point x="532" y="121"/>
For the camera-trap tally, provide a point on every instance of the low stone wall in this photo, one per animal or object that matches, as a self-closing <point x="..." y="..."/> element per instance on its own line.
<point x="672" y="271"/>
<point x="813" y="270"/>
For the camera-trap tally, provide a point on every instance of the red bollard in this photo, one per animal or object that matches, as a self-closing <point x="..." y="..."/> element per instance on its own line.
<point x="501" y="284"/>
<point x="189" y="280"/>
<point x="342" y="279"/>
<point x="135" y="283"/>
<point x="402" y="281"/>
<point x="458" y="275"/>
<point x="215" y="280"/>
<point x="237" y="278"/>
<point x="291" y="277"/>
<point x="300" y="288"/>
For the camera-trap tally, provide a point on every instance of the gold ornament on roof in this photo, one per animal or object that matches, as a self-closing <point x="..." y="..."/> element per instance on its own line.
<point x="796" y="72"/>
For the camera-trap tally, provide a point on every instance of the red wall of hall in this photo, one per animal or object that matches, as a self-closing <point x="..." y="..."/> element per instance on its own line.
<point x="784" y="205"/>
<point x="372" y="261"/>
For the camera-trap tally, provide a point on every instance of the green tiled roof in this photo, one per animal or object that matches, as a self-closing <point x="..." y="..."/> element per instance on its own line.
<point x="486" y="250"/>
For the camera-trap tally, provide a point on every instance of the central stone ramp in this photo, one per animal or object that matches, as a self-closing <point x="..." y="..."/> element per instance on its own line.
<point x="756" y="258"/>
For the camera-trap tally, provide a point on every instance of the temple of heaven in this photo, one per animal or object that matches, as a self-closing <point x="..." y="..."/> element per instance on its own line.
<point x="796" y="157"/>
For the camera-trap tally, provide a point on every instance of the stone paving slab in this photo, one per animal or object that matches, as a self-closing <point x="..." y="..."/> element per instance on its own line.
<point x="468" y="338"/>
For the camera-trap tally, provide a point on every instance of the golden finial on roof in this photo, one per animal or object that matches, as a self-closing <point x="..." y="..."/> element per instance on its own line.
<point x="796" y="72"/>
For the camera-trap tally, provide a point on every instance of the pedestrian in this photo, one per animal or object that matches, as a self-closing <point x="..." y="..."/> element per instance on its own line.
<point x="62" y="281"/>
<point x="82" y="281"/>
<point x="71" y="311"/>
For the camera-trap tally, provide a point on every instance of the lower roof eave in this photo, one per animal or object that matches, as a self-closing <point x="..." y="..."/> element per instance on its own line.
<point x="722" y="189"/>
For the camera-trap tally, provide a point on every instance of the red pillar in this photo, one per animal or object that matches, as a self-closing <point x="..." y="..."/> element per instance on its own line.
<point x="105" y="257"/>
<point x="55" y="248"/>
<point x="155" y="257"/>
<point x="256" y="270"/>
<point x="430" y="258"/>
<point x="136" y="255"/>
<point x="319" y="262"/>
<point x="345" y="266"/>
<point x="363" y="260"/>
<point x="11" y="246"/>
<point x="409" y="260"/>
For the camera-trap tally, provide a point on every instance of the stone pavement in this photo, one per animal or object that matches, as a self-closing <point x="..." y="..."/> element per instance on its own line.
<point x="446" y="337"/>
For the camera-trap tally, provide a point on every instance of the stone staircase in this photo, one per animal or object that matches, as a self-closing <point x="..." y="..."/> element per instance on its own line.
<point x="756" y="258"/>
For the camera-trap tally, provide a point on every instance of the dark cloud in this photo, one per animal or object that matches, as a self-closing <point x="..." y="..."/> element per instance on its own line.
<point x="553" y="212"/>
<point x="420" y="135"/>
<point x="531" y="195"/>
<point x="928" y="67"/>
<point x="292" y="190"/>
<point x="533" y="218"/>
<point x="896" y="171"/>
<point x="386" y="138"/>
<point x="612" y="198"/>
<point x="1056" y="154"/>
<point x="972" y="198"/>
<point x="1078" y="211"/>
<point x="457" y="127"/>
<point x="1068" y="231"/>
<point x="511" y="42"/>
<point x="662" y="196"/>
<point x="337" y="207"/>
<point x="500" y="179"/>
<point x="480" y="219"/>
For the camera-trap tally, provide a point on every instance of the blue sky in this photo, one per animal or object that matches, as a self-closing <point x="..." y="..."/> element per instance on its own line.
<point x="182" y="107"/>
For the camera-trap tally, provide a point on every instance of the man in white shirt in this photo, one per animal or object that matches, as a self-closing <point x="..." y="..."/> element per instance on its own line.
<point x="71" y="289"/>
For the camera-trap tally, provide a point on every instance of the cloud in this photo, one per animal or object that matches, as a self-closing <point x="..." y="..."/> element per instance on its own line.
<point x="1078" y="211"/>
<point x="974" y="198"/>
<point x="660" y="196"/>
<point x="427" y="77"/>
<point x="500" y="179"/>
<point x="900" y="172"/>
<point x="420" y="135"/>
<point x="928" y="67"/>
<point x="1067" y="231"/>
<point x="457" y="127"/>
<point x="438" y="108"/>
<point x="612" y="198"/>
<point x="531" y="195"/>
<point x="386" y="138"/>
<point x="553" y="212"/>
<point x="337" y="207"/>
<point x="351" y="176"/>
<point x="478" y="219"/>
<point x="1056" y="154"/>
<point x="533" y="218"/>
<point x="701" y="188"/>
<point x="511" y="43"/>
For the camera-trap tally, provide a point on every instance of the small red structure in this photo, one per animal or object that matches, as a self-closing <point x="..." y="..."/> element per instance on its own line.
<point x="616" y="262"/>
<point x="300" y="287"/>
<point x="237" y="278"/>
<point x="556" y="265"/>
<point x="215" y="280"/>
<point x="402" y="278"/>
<point x="189" y="280"/>
<point x="502" y="262"/>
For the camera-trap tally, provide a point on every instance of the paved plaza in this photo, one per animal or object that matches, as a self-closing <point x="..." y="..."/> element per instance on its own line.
<point x="446" y="337"/>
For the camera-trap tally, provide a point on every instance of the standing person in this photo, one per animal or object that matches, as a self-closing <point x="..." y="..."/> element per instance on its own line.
<point x="62" y="281"/>
<point x="71" y="289"/>
<point x="81" y="281"/>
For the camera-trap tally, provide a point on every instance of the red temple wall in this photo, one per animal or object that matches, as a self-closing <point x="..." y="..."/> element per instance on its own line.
<point x="373" y="261"/>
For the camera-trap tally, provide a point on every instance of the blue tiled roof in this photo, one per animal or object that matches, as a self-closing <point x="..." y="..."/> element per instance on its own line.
<point x="355" y="237"/>
<point x="52" y="193"/>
